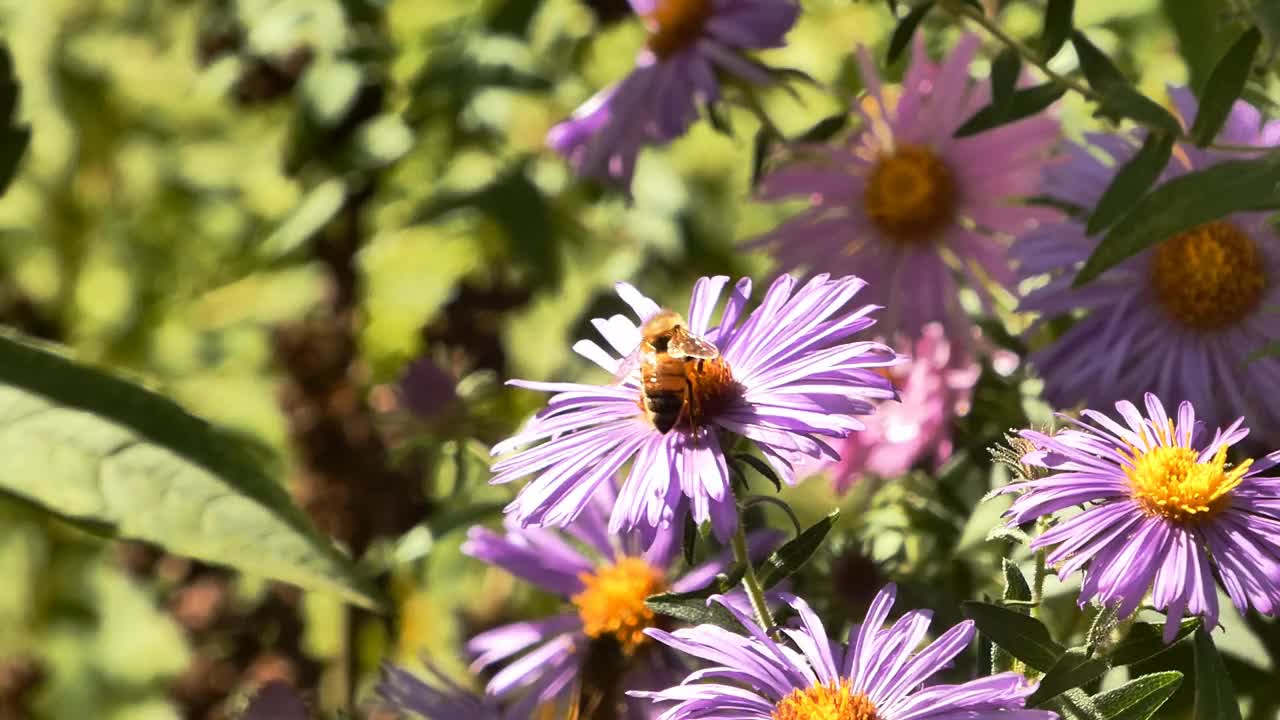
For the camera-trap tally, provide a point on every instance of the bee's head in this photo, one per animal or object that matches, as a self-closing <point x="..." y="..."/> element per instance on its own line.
<point x="660" y="325"/>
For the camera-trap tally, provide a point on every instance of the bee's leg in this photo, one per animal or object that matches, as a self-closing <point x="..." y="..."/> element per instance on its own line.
<point x="691" y="406"/>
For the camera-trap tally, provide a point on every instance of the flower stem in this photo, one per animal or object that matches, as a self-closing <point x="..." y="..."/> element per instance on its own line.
<point x="1037" y="586"/>
<point x="749" y="580"/>
<point x="970" y="13"/>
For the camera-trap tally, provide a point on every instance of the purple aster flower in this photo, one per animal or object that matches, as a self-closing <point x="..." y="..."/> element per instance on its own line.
<point x="404" y="692"/>
<point x="691" y="43"/>
<point x="905" y="204"/>
<point x="598" y="647"/>
<point x="786" y="377"/>
<point x="877" y="676"/>
<point x="1180" y="319"/>
<point x="1163" y="512"/>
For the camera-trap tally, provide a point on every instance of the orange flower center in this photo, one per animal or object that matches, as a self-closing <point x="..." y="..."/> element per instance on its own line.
<point x="910" y="194"/>
<point x="835" y="701"/>
<point x="1170" y="482"/>
<point x="1209" y="277"/>
<point x="676" y="24"/>
<point x="612" y="601"/>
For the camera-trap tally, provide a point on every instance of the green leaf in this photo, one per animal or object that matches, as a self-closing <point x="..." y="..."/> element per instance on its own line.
<point x="1118" y="97"/>
<point x="1075" y="705"/>
<point x="91" y="446"/>
<point x="824" y="129"/>
<point x="1004" y="77"/>
<point x="1139" y="698"/>
<point x="1016" y="587"/>
<point x="693" y="608"/>
<point x="1131" y="181"/>
<point x="14" y="138"/>
<point x="1224" y="87"/>
<point x="319" y="206"/>
<point x="1023" y="103"/>
<point x="1074" y="669"/>
<point x="796" y="552"/>
<point x="764" y="142"/>
<point x="906" y="28"/>
<point x="761" y="467"/>
<point x="1183" y="203"/>
<point x="1146" y="640"/>
<point x="1215" y="697"/>
<point x="1023" y="636"/>
<point x="1057" y="27"/>
<point x="689" y="539"/>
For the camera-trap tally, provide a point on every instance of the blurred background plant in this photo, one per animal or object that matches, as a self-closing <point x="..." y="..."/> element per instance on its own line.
<point x="331" y="226"/>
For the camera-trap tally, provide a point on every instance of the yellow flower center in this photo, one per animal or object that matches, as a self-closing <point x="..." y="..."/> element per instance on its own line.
<point x="675" y="24"/>
<point x="1169" y="482"/>
<point x="835" y="701"/>
<point x="910" y="194"/>
<point x="1209" y="277"/>
<point x="612" y="603"/>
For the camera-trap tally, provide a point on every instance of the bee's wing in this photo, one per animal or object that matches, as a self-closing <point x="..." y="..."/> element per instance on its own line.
<point x="685" y="344"/>
<point x="630" y="363"/>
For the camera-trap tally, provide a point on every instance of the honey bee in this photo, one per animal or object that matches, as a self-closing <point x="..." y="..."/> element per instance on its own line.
<point x="681" y="373"/>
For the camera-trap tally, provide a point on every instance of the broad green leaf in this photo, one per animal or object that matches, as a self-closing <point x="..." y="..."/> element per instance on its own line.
<point x="1023" y="636"/>
<point x="1016" y="589"/>
<point x="1023" y="103"/>
<point x="1183" y="203"/>
<point x="91" y="446"/>
<point x="1215" y="697"/>
<point x="1057" y="27"/>
<point x="14" y="138"/>
<point x="1132" y="180"/>
<point x="1004" y="78"/>
<point x="693" y="608"/>
<point x="1224" y="87"/>
<point x="906" y="28"/>
<point x="1118" y="98"/>
<point x="1074" y="669"/>
<point x="1075" y="705"/>
<point x="1139" y="698"/>
<point x="1146" y="640"/>
<point x="1202" y="35"/>
<point x="796" y="552"/>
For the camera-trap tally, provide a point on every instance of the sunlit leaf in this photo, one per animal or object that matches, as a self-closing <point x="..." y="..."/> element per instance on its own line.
<point x="90" y="445"/>
<point x="1224" y="87"/>
<point x="1023" y="636"/>
<point x="1118" y="96"/>
<point x="906" y="29"/>
<point x="1131" y="181"/>
<point x="1184" y="203"/>
<point x="1139" y="698"/>
<point x="1144" y="641"/>
<point x="1023" y="103"/>
<point x="1074" y="669"/>
<point x="693" y="608"/>
<point x="1057" y="26"/>
<point x="796" y="552"/>
<point x="1215" y="696"/>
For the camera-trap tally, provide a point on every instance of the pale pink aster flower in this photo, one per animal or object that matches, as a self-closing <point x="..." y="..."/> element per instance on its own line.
<point x="933" y="388"/>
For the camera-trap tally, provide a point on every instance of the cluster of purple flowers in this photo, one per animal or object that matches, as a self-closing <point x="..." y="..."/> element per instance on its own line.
<point x="923" y="216"/>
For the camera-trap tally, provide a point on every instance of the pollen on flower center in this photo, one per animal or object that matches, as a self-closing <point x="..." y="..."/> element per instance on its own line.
<point x="675" y="24"/>
<point x="1209" y="277"/>
<point x="835" y="701"/>
<point x="910" y="194"/>
<point x="612" y="601"/>
<point x="1170" y="482"/>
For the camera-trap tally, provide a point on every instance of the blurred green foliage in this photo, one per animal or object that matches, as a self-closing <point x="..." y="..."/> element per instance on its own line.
<point x="188" y="165"/>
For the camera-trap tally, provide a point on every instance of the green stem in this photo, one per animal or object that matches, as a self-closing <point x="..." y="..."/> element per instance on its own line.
<point x="970" y="13"/>
<point x="749" y="580"/>
<point x="1037" y="581"/>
